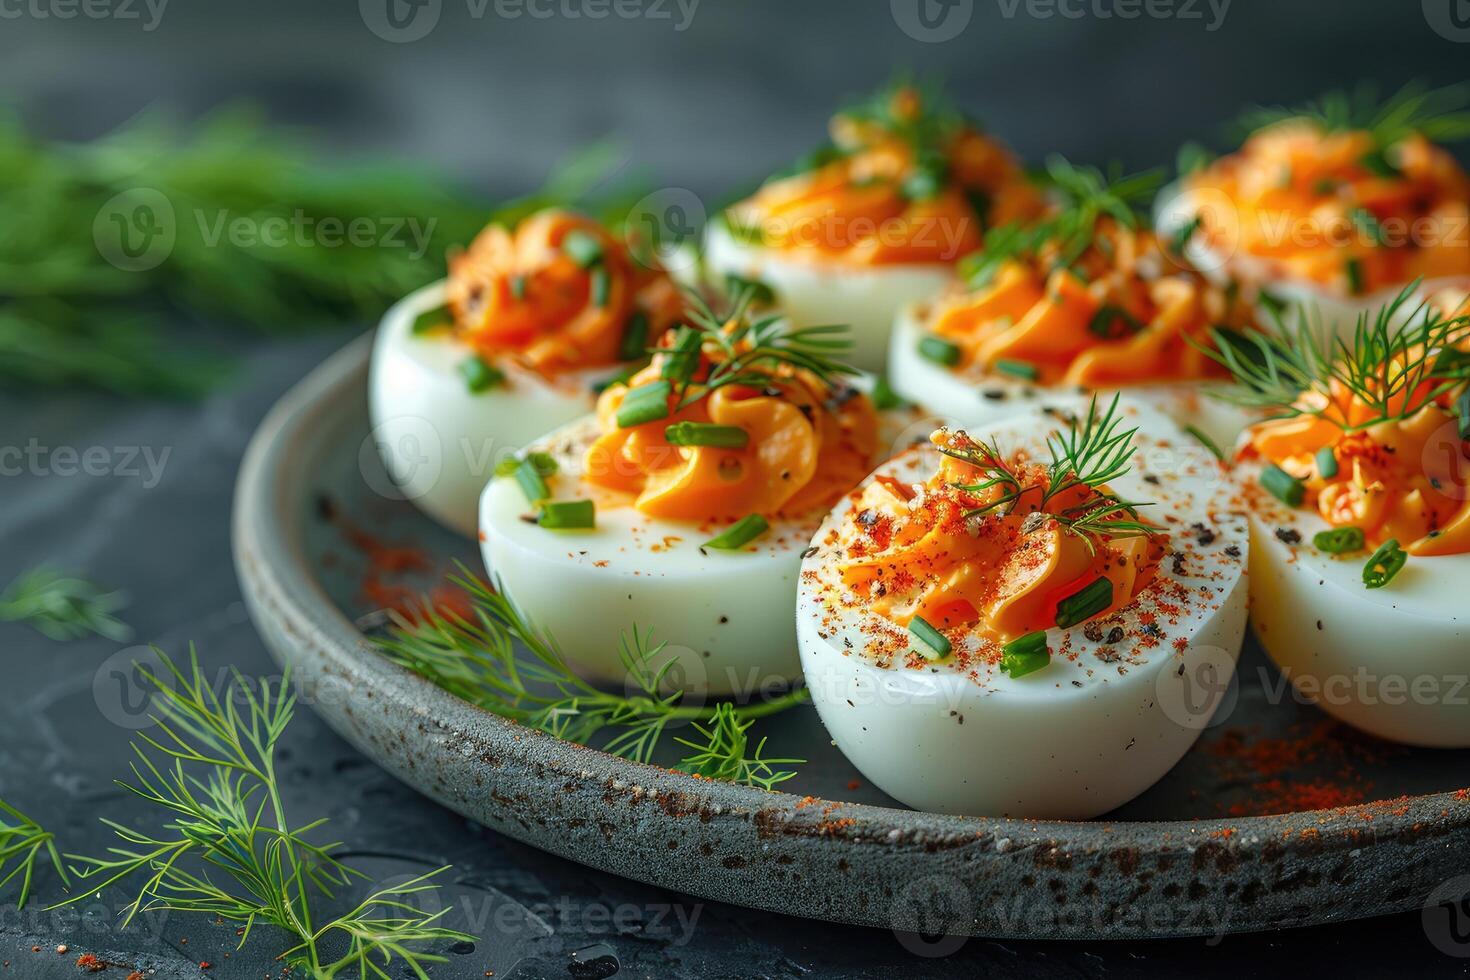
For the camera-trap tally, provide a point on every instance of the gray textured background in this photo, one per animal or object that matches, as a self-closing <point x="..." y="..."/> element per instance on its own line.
<point x="494" y="101"/>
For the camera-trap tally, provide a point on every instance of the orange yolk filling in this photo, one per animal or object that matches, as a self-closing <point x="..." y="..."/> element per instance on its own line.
<point x="1116" y="326"/>
<point x="915" y="551"/>
<point x="1299" y="196"/>
<point x="808" y="445"/>
<point x="855" y="208"/>
<point x="1407" y="479"/>
<point x="518" y="292"/>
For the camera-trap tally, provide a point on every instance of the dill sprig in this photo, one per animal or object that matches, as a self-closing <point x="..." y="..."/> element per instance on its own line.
<point x="1091" y="454"/>
<point x="1084" y="196"/>
<point x="227" y="848"/>
<point x="1397" y="360"/>
<point x="928" y="130"/>
<point x="475" y="660"/>
<point x="63" y="607"/>
<point x="1438" y="115"/>
<point x="723" y="753"/>
<point x="25" y="842"/>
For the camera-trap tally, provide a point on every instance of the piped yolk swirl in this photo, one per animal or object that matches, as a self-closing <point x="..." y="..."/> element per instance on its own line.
<point x="919" y="551"/>
<point x="808" y="444"/>
<point x="1335" y="209"/>
<point x="1111" y="319"/>
<point x="521" y="292"/>
<point x="864" y="208"/>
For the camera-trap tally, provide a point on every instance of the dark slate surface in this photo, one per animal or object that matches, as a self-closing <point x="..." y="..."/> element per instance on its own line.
<point x="743" y="88"/>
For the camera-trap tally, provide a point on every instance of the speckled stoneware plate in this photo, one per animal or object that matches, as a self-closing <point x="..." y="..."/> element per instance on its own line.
<point x="1193" y="856"/>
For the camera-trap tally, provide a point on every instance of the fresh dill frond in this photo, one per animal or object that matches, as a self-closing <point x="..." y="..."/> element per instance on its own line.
<point x="475" y="659"/>
<point x="1092" y="453"/>
<point x="1439" y="115"/>
<point x="1397" y="360"/>
<point x="63" y="607"/>
<point x="725" y="753"/>
<point x="23" y="843"/>
<point x="226" y="848"/>
<point x="1103" y="517"/>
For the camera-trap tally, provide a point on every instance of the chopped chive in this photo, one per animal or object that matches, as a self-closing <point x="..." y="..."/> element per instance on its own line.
<point x="1339" y="540"/>
<point x="1384" y="564"/>
<point x="1111" y="322"/>
<point x="518" y="286"/>
<point x="1462" y="409"/>
<point x="980" y="203"/>
<point x="533" y="483"/>
<point x="1353" y="269"/>
<point x="567" y="515"/>
<point x="1275" y="305"/>
<point x="1085" y="603"/>
<point x="1282" y="485"/>
<point x="544" y="463"/>
<point x="760" y="293"/>
<point x="1326" y="463"/>
<point x="582" y="248"/>
<point x="1024" y="370"/>
<point x="940" y="351"/>
<point x="682" y="359"/>
<point x="429" y="319"/>
<point x="938" y="644"/>
<point x="1324" y="187"/>
<point x="645" y="403"/>
<point x="635" y="337"/>
<point x="1025" y="655"/>
<point x="1181" y="238"/>
<point x="1364" y="219"/>
<point x="1377" y="163"/>
<point x="739" y="534"/>
<point x="885" y="398"/>
<point x="478" y="375"/>
<point x="601" y="286"/>
<point x="706" y="434"/>
<point x="1206" y="441"/>
<point x="619" y="378"/>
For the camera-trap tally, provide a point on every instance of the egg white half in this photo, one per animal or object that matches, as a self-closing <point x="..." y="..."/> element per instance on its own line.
<point x="977" y="397"/>
<point x="817" y="293"/>
<point x="1087" y="733"/>
<point x="1393" y="661"/>
<point x="439" y="440"/>
<point x="727" y="617"/>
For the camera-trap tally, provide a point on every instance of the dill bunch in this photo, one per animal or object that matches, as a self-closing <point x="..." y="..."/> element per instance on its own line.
<point x="63" y="607"/>
<point x="26" y="843"/>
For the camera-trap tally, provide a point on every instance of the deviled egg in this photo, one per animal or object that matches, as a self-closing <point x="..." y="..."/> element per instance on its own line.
<point x="515" y="343"/>
<point x="1359" y="495"/>
<point x="684" y="504"/>
<point x="1005" y="622"/>
<point x="1331" y="207"/>
<point x="1086" y="299"/>
<point x="875" y="219"/>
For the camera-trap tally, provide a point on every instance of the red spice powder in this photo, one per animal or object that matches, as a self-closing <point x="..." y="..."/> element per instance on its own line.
<point x="1270" y="768"/>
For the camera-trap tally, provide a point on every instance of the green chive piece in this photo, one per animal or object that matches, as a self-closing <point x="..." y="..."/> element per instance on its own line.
<point x="1282" y="485"/>
<point x="1206" y="441"/>
<point x="885" y="399"/>
<point x="533" y="483"/>
<point x="582" y="248"/>
<point x="568" y="515"/>
<point x="1339" y="540"/>
<point x="601" y="287"/>
<point x="518" y="287"/>
<point x="940" y="351"/>
<point x="980" y="203"/>
<point x="1384" y="564"/>
<point x="1275" y="305"/>
<point x="545" y="464"/>
<point x="1112" y="322"/>
<point x="1364" y="219"/>
<point x="760" y="293"/>
<point x="1324" y="187"/>
<point x="706" y="434"/>
<point x="1181" y="238"/>
<point x="1025" y="655"/>
<point x="429" y="319"/>
<point x="1462" y="409"/>
<point x="1024" y="370"/>
<point x="1377" y="163"/>
<point x="1353" y="269"/>
<point x="938" y="644"/>
<point x="478" y="375"/>
<point x="619" y="378"/>
<point x="645" y="403"/>
<point x="635" y="337"/>
<point x="682" y="359"/>
<point x="1085" y="603"/>
<point x="739" y="534"/>
<point x="1326" y="463"/>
